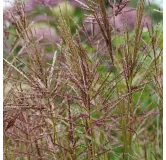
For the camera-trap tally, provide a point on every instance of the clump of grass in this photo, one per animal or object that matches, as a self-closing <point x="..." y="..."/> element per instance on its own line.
<point x="92" y="102"/>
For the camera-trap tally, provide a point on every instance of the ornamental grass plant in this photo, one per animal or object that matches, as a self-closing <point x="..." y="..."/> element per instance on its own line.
<point x="76" y="87"/>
